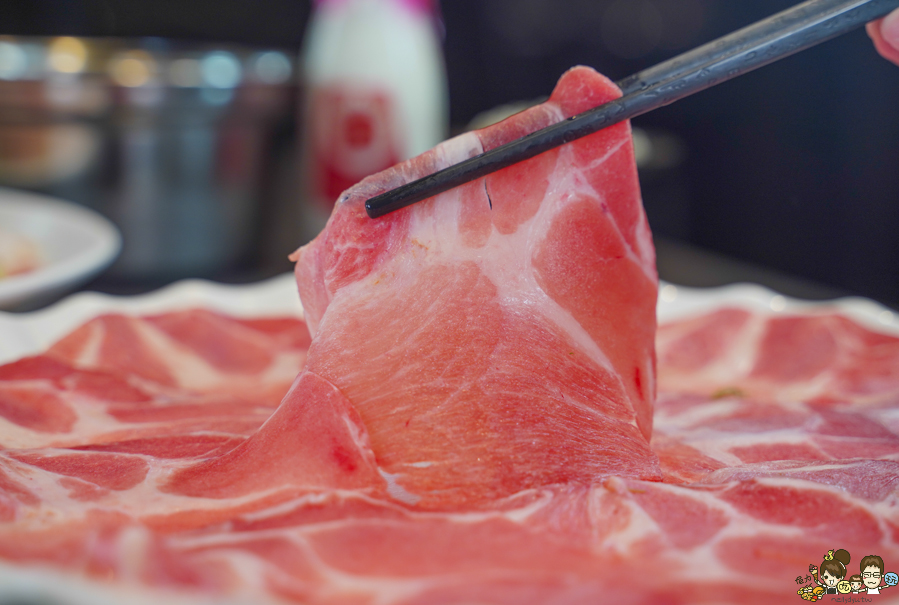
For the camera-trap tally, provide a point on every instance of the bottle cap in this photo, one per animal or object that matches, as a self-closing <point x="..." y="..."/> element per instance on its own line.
<point x="424" y="6"/>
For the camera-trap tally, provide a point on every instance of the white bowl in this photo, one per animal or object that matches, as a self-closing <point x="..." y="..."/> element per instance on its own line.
<point x="74" y="243"/>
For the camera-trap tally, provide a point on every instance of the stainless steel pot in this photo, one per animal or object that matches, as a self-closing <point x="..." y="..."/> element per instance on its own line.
<point x="170" y="141"/>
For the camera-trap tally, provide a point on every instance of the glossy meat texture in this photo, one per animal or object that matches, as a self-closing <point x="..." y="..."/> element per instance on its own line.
<point x="142" y="485"/>
<point x="127" y="378"/>
<point x="497" y="337"/>
<point x="819" y="357"/>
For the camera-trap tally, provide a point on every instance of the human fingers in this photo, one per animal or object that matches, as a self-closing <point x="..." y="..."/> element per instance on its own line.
<point x="885" y="34"/>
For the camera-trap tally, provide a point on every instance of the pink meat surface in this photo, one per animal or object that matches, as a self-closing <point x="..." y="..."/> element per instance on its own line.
<point x="821" y="357"/>
<point x="472" y="421"/>
<point x="498" y="337"/>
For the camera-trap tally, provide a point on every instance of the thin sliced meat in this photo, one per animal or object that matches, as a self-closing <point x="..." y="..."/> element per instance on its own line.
<point x="818" y="356"/>
<point x="117" y="472"/>
<point x="268" y="533"/>
<point x="497" y="337"/>
<point x="76" y="394"/>
<point x="176" y="447"/>
<point x="637" y="540"/>
<point x="196" y="349"/>
<point x="315" y="439"/>
<point x="36" y="409"/>
<point x="695" y="435"/>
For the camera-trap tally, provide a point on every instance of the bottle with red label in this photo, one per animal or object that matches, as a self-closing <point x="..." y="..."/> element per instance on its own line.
<point x="375" y="93"/>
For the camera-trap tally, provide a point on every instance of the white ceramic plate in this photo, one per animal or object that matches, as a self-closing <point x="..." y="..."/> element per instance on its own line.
<point x="29" y="333"/>
<point x="74" y="243"/>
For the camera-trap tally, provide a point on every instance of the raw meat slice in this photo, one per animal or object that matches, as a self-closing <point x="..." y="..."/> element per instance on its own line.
<point x="745" y="389"/>
<point x="819" y="356"/>
<point x="123" y="380"/>
<point x="642" y="542"/>
<point x="705" y="539"/>
<point x="735" y="431"/>
<point x="314" y="439"/>
<point x="194" y="350"/>
<point x="497" y="337"/>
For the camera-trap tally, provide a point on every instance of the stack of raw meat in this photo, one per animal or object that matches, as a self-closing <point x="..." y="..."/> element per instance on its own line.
<point x="471" y="422"/>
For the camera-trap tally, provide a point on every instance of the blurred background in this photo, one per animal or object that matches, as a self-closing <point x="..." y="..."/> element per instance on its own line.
<point x="788" y="176"/>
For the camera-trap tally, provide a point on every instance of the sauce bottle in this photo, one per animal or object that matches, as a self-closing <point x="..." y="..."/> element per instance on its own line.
<point x="375" y="94"/>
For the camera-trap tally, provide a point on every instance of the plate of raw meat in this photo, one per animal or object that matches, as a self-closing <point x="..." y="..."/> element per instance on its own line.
<point x="475" y="405"/>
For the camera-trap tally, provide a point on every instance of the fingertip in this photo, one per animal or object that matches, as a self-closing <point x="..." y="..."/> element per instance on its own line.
<point x="885" y="34"/>
<point x="873" y="29"/>
<point x="889" y="29"/>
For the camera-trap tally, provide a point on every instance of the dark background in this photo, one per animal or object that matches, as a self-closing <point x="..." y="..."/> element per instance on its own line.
<point x="794" y="167"/>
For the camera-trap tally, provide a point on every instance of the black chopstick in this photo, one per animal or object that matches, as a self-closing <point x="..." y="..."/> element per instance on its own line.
<point x="777" y="25"/>
<point x="781" y="35"/>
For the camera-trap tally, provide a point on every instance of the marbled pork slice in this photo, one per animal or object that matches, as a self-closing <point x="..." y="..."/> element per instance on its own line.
<point x="820" y="357"/>
<point x="772" y="392"/>
<point x="499" y="336"/>
<point x="93" y="454"/>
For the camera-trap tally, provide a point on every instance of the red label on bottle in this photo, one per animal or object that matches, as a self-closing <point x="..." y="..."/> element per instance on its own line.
<point x="353" y="134"/>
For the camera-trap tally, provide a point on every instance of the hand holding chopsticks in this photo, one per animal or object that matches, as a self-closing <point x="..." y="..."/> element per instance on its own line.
<point x="745" y="50"/>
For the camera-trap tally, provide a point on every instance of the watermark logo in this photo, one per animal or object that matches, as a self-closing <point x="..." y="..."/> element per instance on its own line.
<point x="833" y="577"/>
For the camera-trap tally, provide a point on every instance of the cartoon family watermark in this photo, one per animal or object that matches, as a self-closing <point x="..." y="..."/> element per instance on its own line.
<point x="831" y="578"/>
